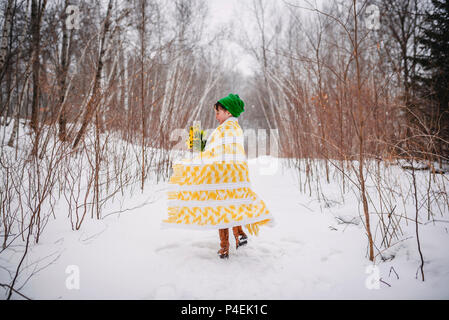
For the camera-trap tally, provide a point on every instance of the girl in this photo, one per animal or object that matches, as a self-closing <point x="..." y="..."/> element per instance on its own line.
<point x="213" y="191"/>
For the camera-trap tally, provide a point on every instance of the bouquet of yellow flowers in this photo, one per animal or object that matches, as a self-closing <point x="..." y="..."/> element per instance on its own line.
<point x="196" y="140"/>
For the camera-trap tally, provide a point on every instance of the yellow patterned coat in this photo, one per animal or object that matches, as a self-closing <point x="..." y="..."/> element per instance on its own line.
<point x="213" y="190"/>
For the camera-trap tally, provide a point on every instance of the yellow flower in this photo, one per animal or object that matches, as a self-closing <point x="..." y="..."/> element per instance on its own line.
<point x="195" y="138"/>
<point x="189" y="141"/>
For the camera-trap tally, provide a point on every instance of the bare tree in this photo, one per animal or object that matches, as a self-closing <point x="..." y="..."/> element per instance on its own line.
<point x="6" y="31"/>
<point x="94" y="95"/>
<point x="63" y="72"/>
<point x="37" y="10"/>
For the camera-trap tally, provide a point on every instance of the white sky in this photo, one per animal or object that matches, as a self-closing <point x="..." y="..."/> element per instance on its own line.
<point x="223" y="11"/>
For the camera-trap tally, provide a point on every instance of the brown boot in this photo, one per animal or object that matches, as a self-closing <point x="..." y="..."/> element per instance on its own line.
<point x="243" y="234"/>
<point x="240" y="237"/>
<point x="224" y="243"/>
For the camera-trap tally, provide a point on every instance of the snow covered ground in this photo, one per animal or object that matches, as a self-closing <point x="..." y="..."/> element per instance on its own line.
<point x="307" y="255"/>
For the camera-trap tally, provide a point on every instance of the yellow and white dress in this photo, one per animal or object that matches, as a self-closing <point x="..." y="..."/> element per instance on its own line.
<point x="213" y="190"/>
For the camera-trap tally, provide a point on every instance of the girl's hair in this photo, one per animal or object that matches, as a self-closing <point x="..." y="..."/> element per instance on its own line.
<point x="218" y="105"/>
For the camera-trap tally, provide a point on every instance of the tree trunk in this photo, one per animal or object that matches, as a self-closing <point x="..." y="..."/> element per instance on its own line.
<point x="65" y="61"/>
<point x="36" y="14"/>
<point x="361" y="139"/>
<point x="142" y="87"/>
<point x="94" y="98"/>
<point x="5" y="35"/>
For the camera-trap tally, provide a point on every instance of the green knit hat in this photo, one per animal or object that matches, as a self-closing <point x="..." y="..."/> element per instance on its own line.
<point x="233" y="104"/>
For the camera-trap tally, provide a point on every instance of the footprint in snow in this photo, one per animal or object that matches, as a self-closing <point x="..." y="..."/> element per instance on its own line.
<point x="292" y="240"/>
<point x="167" y="247"/>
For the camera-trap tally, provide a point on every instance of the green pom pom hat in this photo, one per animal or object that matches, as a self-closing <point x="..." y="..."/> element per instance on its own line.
<point x="233" y="104"/>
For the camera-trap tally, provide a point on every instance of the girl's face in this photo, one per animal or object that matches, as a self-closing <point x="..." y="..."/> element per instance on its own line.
<point x="222" y="114"/>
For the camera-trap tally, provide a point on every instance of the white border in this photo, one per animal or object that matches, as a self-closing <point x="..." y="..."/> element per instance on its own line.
<point x="271" y="223"/>
<point x="209" y="203"/>
<point x="207" y="187"/>
<point x="227" y="157"/>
